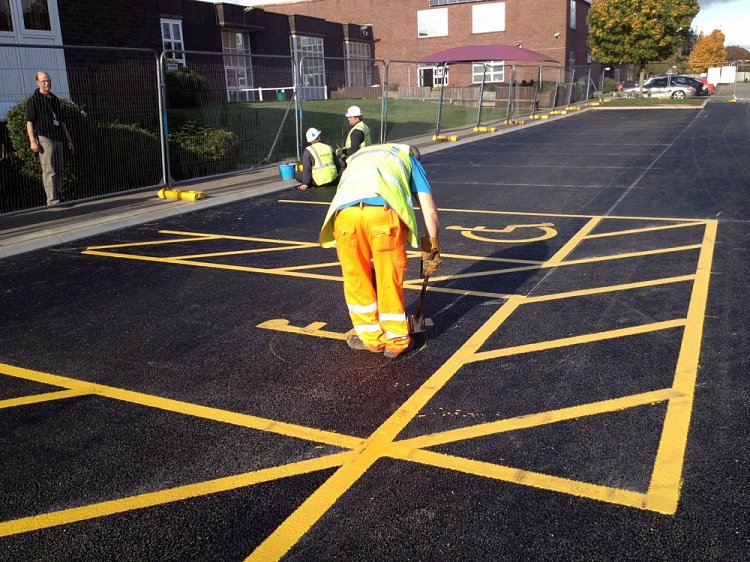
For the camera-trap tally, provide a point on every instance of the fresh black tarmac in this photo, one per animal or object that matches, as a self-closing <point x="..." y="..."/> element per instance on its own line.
<point x="181" y="389"/>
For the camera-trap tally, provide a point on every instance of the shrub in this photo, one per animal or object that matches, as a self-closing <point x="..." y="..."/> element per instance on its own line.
<point x="199" y="151"/>
<point x="608" y="86"/>
<point x="108" y="157"/>
<point x="187" y="88"/>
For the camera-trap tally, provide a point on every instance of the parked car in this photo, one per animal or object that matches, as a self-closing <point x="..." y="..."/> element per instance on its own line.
<point x="661" y="87"/>
<point x="701" y="89"/>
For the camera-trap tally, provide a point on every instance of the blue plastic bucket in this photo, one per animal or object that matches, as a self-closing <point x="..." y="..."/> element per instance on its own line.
<point x="286" y="171"/>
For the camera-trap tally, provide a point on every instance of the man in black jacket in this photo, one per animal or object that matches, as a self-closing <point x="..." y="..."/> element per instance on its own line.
<point x="47" y="132"/>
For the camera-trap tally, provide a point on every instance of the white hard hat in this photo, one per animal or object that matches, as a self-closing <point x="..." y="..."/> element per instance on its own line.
<point x="354" y="111"/>
<point x="312" y="134"/>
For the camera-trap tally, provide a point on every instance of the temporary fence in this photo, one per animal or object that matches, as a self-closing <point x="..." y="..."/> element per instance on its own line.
<point x="328" y="86"/>
<point x="111" y="105"/>
<point x="140" y="120"/>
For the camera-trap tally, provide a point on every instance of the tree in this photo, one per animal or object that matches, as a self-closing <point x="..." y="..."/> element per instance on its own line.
<point x="639" y="31"/>
<point x="737" y="53"/>
<point x="708" y="50"/>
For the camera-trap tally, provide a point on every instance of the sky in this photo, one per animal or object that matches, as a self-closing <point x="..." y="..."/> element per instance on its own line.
<point x="731" y="16"/>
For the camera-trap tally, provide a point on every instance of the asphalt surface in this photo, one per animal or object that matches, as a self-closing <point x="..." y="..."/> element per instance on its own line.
<point x="177" y="387"/>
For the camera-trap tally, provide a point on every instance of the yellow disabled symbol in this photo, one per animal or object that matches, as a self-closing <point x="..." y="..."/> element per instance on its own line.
<point x="547" y="231"/>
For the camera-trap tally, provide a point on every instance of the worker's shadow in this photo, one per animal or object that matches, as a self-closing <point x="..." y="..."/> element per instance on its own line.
<point x="467" y="281"/>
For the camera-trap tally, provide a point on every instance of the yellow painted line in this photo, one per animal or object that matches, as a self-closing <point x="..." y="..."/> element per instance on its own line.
<point x="538" y="419"/>
<point x="209" y="265"/>
<point x="516" y="213"/>
<point x="196" y="410"/>
<point x="664" y="491"/>
<point x="246" y="238"/>
<point x="645" y="229"/>
<point x="241" y="252"/>
<point x="204" y="238"/>
<point x="309" y="266"/>
<point x="313" y="329"/>
<point x="611" y="288"/>
<point x="377" y="445"/>
<point x="579" y="261"/>
<point x="574" y="240"/>
<point x="180" y="493"/>
<point x="529" y="478"/>
<point x="574" y="340"/>
<point x="38" y="398"/>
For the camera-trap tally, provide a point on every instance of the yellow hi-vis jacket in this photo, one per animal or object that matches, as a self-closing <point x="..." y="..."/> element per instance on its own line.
<point x="360" y="126"/>
<point x="324" y="170"/>
<point x="384" y="170"/>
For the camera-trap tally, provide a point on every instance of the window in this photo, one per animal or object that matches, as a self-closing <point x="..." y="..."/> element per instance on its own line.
<point x="238" y="68"/>
<point x="431" y="76"/>
<point x="495" y="72"/>
<point x="6" y="22"/>
<point x="171" y="35"/>
<point x="36" y="15"/>
<point x="573" y="14"/>
<point x="432" y="23"/>
<point x="358" y="72"/>
<point x="488" y="17"/>
<point x="308" y="53"/>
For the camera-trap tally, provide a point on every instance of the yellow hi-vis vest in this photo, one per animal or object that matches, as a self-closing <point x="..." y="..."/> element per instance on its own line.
<point x="359" y="127"/>
<point x="324" y="170"/>
<point x="384" y="170"/>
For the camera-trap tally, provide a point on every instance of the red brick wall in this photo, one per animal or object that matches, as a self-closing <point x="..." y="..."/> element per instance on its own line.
<point x="532" y="23"/>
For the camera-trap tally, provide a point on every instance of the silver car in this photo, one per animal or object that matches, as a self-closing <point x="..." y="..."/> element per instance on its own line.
<point x="661" y="87"/>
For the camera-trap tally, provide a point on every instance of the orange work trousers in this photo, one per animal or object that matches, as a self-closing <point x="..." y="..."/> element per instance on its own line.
<point x="364" y="234"/>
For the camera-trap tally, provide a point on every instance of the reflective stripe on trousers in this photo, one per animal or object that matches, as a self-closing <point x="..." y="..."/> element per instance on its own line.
<point x="365" y="233"/>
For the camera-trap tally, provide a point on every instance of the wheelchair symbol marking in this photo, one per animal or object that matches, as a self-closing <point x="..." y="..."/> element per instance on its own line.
<point x="547" y="228"/>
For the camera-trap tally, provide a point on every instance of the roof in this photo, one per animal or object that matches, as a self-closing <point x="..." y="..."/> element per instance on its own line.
<point x="481" y="53"/>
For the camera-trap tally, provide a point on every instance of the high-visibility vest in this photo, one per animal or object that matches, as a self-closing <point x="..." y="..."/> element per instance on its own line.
<point x="360" y="126"/>
<point x="324" y="170"/>
<point x="381" y="170"/>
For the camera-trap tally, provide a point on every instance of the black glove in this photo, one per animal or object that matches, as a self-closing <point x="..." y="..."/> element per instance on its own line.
<point x="430" y="256"/>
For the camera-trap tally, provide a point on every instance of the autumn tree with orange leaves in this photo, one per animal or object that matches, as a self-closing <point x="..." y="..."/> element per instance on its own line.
<point x="638" y="31"/>
<point x="708" y="51"/>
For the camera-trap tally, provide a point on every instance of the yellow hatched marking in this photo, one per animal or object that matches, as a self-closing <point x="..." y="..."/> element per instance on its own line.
<point x="645" y="229"/>
<point x="664" y="490"/>
<point x="574" y="340"/>
<point x="39" y="398"/>
<point x="539" y="419"/>
<point x="573" y="242"/>
<point x="151" y="499"/>
<point x="528" y="478"/>
<point x="241" y="252"/>
<point x="196" y="410"/>
<point x="204" y="238"/>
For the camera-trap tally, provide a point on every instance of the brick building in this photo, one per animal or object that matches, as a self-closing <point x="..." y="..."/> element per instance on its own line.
<point x="412" y="29"/>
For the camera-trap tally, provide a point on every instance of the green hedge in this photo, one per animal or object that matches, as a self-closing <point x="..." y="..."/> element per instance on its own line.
<point x="108" y="157"/>
<point x="197" y="151"/>
<point x="187" y="88"/>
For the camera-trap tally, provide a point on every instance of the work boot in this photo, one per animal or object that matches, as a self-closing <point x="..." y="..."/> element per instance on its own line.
<point x="394" y="354"/>
<point x="355" y="343"/>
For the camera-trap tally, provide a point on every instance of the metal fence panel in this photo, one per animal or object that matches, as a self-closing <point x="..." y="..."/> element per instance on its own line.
<point x="110" y="104"/>
<point x="228" y="113"/>
<point x="348" y="82"/>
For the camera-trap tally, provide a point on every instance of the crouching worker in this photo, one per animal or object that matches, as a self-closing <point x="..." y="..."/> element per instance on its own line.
<point x="371" y="218"/>
<point x="320" y="166"/>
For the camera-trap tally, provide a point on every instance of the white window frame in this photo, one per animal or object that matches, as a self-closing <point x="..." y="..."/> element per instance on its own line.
<point x="495" y="72"/>
<point x="432" y="23"/>
<point x="573" y="10"/>
<point x="488" y="17"/>
<point x="308" y="52"/>
<point x="439" y="75"/>
<point x="237" y="65"/>
<point x="172" y="44"/>
<point x="358" y="63"/>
